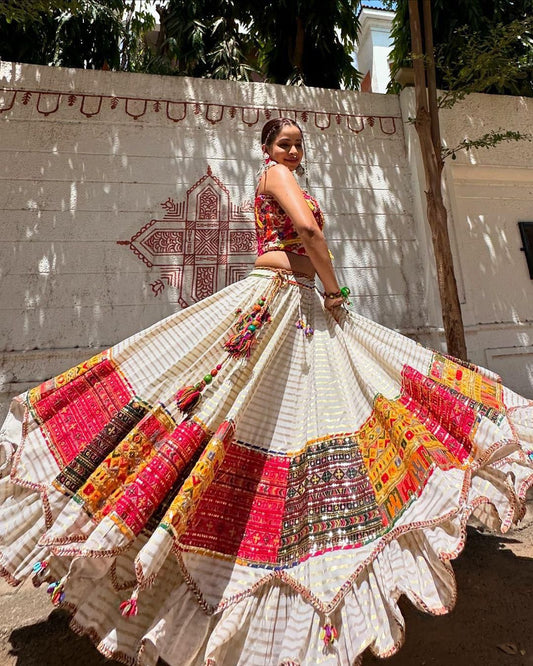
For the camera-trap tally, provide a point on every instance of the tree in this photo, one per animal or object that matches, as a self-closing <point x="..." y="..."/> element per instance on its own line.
<point x="427" y="127"/>
<point x="493" y="39"/>
<point x="204" y="38"/>
<point x="80" y="33"/>
<point x="477" y="67"/>
<point x="308" y="41"/>
<point x="31" y="10"/>
<point x="288" y="41"/>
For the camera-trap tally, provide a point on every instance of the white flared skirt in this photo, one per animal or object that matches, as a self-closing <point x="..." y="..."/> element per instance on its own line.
<point x="251" y="483"/>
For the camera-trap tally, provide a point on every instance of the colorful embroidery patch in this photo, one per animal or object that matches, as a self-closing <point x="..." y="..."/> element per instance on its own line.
<point x="141" y="498"/>
<point x="83" y="465"/>
<point x="74" y="407"/>
<point x="241" y="512"/>
<point x="399" y="453"/>
<point x="105" y="485"/>
<point x="443" y="411"/>
<point x="199" y="481"/>
<point x="46" y="388"/>
<point x="330" y="502"/>
<point x="468" y="382"/>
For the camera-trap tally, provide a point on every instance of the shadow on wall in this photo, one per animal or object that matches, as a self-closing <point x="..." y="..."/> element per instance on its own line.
<point x="490" y="191"/>
<point x="89" y="164"/>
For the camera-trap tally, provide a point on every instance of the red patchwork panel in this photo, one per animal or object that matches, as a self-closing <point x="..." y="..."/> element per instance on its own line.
<point x="142" y="497"/>
<point x="446" y="413"/>
<point x="241" y="512"/>
<point x="73" y="414"/>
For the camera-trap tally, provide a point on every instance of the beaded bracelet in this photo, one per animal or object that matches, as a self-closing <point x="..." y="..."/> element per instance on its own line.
<point x="343" y="293"/>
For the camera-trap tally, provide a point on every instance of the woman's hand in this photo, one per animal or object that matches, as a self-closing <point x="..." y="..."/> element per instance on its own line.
<point x="334" y="305"/>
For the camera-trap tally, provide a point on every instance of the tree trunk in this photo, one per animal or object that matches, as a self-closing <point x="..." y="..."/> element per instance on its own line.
<point x="431" y="76"/>
<point x="429" y="137"/>
<point x="298" y="53"/>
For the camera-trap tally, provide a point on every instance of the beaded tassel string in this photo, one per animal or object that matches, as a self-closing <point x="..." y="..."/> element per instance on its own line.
<point x="242" y="342"/>
<point x="302" y="325"/>
<point x="239" y="345"/>
<point x="188" y="397"/>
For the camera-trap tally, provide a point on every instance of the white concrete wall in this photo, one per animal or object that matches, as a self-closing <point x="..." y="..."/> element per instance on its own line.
<point x="488" y="192"/>
<point x="87" y="159"/>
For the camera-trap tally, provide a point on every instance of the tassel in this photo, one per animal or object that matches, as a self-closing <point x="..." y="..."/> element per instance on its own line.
<point x="129" y="607"/>
<point x="57" y="591"/>
<point x="39" y="568"/>
<point x="242" y="342"/>
<point x="188" y="397"/>
<point x="329" y="633"/>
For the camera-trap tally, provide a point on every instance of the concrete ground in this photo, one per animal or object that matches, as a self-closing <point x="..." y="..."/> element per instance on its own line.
<point x="490" y="626"/>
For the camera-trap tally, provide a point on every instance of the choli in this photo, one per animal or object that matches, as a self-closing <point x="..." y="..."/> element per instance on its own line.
<point x="274" y="228"/>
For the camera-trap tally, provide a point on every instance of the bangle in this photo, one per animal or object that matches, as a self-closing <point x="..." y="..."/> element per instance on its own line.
<point x="343" y="293"/>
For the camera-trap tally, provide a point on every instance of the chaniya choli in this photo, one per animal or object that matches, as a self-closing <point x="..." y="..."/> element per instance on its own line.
<point x="249" y="482"/>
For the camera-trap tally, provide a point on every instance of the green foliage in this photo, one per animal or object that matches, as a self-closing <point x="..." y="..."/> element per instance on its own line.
<point x="20" y="11"/>
<point x="488" y="140"/>
<point x="480" y="45"/>
<point x="308" y="42"/>
<point x="489" y="63"/>
<point x="289" y="41"/>
<point x="203" y="38"/>
<point x="84" y="33"/>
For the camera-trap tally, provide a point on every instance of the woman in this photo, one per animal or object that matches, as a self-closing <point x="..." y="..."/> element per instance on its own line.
<point x="257" y="479"/>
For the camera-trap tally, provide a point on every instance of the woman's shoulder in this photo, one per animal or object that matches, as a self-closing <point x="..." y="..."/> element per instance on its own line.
<point x="274" y="178"/>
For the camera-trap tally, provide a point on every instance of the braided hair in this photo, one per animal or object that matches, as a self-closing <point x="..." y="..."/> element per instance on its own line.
<point x="273" y="127"/>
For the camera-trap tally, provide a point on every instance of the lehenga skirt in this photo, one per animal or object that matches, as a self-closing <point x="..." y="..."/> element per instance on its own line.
<point x="249" y="482"/>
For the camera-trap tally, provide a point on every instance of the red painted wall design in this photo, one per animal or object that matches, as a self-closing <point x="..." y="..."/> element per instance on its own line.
<point x="200" y="245"/>
<point x="91" y="105"/>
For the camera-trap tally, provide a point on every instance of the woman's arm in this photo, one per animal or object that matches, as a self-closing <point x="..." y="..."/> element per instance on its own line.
<point x="280" y="183"/>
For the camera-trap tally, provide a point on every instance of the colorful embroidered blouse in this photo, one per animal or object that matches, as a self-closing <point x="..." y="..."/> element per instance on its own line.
<point x="274" y="227"/>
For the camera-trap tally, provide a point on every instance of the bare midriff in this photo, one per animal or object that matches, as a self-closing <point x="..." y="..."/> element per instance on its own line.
<point x="286" y="260"/>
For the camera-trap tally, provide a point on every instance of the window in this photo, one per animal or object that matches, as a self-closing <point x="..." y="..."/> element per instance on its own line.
<point x="526" y="233"/>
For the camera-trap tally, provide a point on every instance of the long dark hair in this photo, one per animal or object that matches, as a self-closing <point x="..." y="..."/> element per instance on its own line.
<point x="273" y="127"/>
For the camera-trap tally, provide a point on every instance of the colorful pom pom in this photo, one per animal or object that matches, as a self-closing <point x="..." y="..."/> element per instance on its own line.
<point x="129" y="607"/>
<point x="188" y="397"/>
<point x="56" y="591"/>
<point x="40" y="567"/>
<point x="329" y="633"/>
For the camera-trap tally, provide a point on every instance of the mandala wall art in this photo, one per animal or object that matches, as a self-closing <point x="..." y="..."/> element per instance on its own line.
<point x="200" y="245"/>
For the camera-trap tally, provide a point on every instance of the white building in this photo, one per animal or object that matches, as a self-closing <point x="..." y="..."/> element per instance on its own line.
<point x="373" y="48"/>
